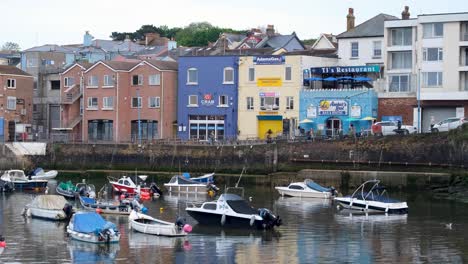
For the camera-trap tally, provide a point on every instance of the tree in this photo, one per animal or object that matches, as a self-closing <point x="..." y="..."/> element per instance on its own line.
<point x="309" y="41"/>
<point x="11" y="46"/>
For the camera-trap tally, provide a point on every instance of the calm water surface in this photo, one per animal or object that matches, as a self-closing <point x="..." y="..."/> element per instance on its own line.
<point x="313" y="232"/>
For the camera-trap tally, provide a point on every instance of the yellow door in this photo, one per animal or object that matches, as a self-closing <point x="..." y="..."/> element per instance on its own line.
<point x="276" y="127"/>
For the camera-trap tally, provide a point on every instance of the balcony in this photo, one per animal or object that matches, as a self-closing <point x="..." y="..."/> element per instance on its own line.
<point x="71" y="94"/>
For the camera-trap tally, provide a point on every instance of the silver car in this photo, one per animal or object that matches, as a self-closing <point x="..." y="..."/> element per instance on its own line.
<point x="448" y="124"/>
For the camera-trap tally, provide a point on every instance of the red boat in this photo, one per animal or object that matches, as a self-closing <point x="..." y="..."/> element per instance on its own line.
<point x="126" y="185"/>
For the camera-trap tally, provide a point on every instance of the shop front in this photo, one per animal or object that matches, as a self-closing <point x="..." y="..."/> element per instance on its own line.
<point x="269" y="126"/>
<point x="350" y="77"/>
<point x="204" y="127"/>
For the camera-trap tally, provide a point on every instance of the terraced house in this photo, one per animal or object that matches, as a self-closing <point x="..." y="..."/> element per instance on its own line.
<point x="115" y="101"/>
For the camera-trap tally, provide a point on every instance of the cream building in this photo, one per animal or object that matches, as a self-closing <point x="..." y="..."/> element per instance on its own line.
<point x="269" y="89"/>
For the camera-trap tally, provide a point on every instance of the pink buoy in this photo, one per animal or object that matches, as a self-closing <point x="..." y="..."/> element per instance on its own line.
<point x="99" y="210"/>
<point x="187" y="228"/>
<point x="2" y="244"/>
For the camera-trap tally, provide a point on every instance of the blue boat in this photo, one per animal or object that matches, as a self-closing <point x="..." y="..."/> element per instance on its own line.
<point x="92" y="228"/>
<point x="207" y="178"/>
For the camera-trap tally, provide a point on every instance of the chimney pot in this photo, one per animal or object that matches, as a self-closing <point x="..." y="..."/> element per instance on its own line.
<point x="350" y="19"/>
<point x="405" y="15"/>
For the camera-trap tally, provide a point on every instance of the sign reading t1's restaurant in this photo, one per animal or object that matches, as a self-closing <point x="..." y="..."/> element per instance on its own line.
<point x="333" y="107"/>
<point x="268" y="60"/>
<point x="207" y="100"/>
<point x="350" y="69"/>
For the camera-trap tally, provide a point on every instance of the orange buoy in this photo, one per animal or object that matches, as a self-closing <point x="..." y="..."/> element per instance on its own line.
<point x="98" y="210"/>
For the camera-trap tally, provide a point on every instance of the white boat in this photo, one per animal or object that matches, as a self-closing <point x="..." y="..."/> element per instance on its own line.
<point x="50" y="207"/>
<point x="146" y="224"/>
<point x="92" y="228"/>
<point x="371" y="197"/>
<point x="306" y="189"/>
<point x="21" y="182"/>
<point x="91" y="204"/>
<point x="40" y="174"/>
<point x="181" y="184"/>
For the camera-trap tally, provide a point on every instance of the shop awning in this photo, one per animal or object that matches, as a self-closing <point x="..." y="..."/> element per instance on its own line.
<point x="362" y="79"/>
<point x="368" y="118"/>
<point x="306" y="121"/>
<point x="269" y="117"/>
<point x="314" y="79"/>
<point x="330" y="79"/>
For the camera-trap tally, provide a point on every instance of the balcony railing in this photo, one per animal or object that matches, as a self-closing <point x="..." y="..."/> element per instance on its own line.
<point x="72" y="94"/>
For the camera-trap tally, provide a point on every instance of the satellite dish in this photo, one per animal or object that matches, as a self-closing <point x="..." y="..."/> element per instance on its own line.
<point x="143" y="177"/>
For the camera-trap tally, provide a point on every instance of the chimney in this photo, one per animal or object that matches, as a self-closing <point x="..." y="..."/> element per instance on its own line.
<point x="87" y="39"/>
<point x="405" y="15"/>
<point x="350" y="19"/>
<point x="270" y="31"/>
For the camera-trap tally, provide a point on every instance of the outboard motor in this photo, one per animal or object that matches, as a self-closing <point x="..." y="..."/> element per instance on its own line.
<point x="155" y="189"/>
<point x="333" y="191"/>
<point x="212" y="187"/>
<point x="68" y="210"/>
<point x="269" y="219"/>
<point x="180" y="222"/>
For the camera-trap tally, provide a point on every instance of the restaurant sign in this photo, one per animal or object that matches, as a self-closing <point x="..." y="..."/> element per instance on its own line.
<point x="333" y="107"/>
<point x="268" y="60"/>
<point x="345" y="70"/>
<point x="269" y="82"/>
<point x="207" y="100"/>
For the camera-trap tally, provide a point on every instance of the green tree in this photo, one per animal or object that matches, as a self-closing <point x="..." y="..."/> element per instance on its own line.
<point x="11" y="46"/>
<point x="198" y="34"/>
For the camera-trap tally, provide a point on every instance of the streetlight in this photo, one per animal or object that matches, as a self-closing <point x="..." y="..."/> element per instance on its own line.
<point x="419" y="99"/>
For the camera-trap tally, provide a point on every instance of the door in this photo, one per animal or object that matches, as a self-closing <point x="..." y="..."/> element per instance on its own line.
<point x="11" y="130"/>
<point x="54" y="117"/>
<point x="436" y="115"/>
<point x="333" y="126"/>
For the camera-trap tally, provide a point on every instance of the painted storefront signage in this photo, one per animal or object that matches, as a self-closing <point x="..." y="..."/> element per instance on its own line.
<point x="2" y="127"/>
<point x="268" y="60"/>
<point x="311" y="112"/>
<point x="333" y="107"/>
<point x="269" y="94"/>
<point x="356" y="111"/>
<point x="342" y="70"/>
<point x="207" y="100"/>
<point x="269" y="82"/>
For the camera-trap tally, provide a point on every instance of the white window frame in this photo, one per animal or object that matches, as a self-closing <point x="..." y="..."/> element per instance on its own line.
<point x="433" y="33"/>
<point x="11" y="83"/>
<point x="11" y="103"/>
<point x="192" y="82"/>
<point x="109" y="81"/>
<point x="289" y="102"/>
<point x="154" y="79"/>
<point x="399" y="83"/>
<point x="139" y="102"/>
<point x="377" y="49"/>
<point x="66" y="81"/>
<point x="226" y="99"/>
<point x="90" y="105"/>
<point x="196" y="100"/>
<point x="392" y="65"/>
<point x="356" y="49"/>
<point x="224" y="75"/>
<point x="157" y="102"/>
<point x="439" y="79"/>
<point x="140" y="80"/>
<point x="401" y="31"/>
<point x="440" y="54"/>
<point x="250" y="103"/>
<point x="288" y="67"/>
<point x="251" y="74"/>
<point x="108" y="103"/>
<point x="90" y="79"/>
<point x="274" y="106"/>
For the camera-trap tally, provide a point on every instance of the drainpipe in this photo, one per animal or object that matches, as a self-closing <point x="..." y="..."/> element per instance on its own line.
<point x="161" y="106"/>
<point x="117" y="109"/>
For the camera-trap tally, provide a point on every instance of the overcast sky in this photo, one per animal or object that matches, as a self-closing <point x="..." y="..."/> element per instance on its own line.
<point x="36" y="22"/>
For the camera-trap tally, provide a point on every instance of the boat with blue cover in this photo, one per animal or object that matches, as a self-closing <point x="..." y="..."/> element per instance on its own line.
<point x="92" y="228"/>
<point x="307" y="189"/>
<point x="185" y="184"/>
<point x="122" y="207"/>
<point x="372" y="197"/>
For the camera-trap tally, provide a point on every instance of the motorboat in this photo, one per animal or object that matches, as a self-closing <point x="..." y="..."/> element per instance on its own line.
<point x="128" y="185"/>
<point x="21" y="182"/>
<point x="207" y="178"/>
<point x="122" y="207"/>
<point x="371" y="197"/>
<point x="6" y="186"/>
<point x="179" y="183"/>
<point x="232" y="210"/>
<point x="86" y="189"/>
<point x="306" y="189"/>
<point x="40" y="174"/>
<point x="67" y="189"/>
<point x="92" y="228"/>
<point x="50" y="207"/>
<point x="146" y="224"/>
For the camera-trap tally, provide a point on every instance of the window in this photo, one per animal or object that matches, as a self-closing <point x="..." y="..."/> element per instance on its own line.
<point x="402" y="37"/>
<point x="144" y="130"/>
<point x="288" y="73"/>
<point x="290" y="103"/>
<point x="11" y="103"/>
<point x="154" y="79"/>
<point x="154" y="102"/>
<point x="108" y="102"/>
<point x="228" y="75"/>
<point x="11" y="83"/>
<point x="192" y="76"/>
<point x="32" y="62"/>
<point x="433" y="54"/>
<point x="55" y="85"/>
<point x="136" y="102"/>
<point x="69" y="81"/>
<point x="93" y="81"/>
<point x="137" y="79"/>
<point x="354" y="49"/>
<point x="223" y="100"/>
<point x="100" y="130"/>
<point x="402" y="60"/>
<point x="193" y="100"/>
<point x="109" y="80"/>
<point x="251" y="74"/>
<point x="377" y="49"/>
<point x="269" y="103"/>
<point x="433" y="30"/>
<point x="432" y="79"/>
<point x="250" y="103"/>
<point x="92" y="103"/>
<point x="399" y="83"/>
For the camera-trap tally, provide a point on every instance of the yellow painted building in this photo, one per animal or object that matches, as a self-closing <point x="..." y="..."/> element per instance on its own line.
<point x="269" y="89"/>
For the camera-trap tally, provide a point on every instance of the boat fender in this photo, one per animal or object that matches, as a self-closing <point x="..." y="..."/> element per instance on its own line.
<point x="144" y="210"/>
<point x="367" y="206"/>
<point x="386" y="209"/>
<point x="2" y="242"/>
<point x="99" y="210"/>
<point x="223" y="219"/>
<point x="187" y="228"/>
<point x="252" y="220"/>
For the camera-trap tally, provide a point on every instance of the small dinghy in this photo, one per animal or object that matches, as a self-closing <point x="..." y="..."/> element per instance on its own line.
<point x="92" y="228"/>
<point x="146" y="224"/>
<point x="67" y="189"/>
<point x="306" y="189"/>
<point x="50" y="207"/>
<point x="40" y="174"/>
<point x="123" y="207"/>
<point x="371" y="197"/>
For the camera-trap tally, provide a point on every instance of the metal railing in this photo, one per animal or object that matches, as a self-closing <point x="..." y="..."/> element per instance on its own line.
<point x="72" y="95"/>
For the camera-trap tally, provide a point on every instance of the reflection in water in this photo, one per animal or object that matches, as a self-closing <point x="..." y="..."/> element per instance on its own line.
<point x="81" y="252"/>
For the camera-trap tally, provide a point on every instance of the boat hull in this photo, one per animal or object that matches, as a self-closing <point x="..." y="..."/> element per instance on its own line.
<point x="66" y="194"/>
<point x="106" y="208"/>
<point x="30" y="185"/>
<point x="205" y="218"/>
<point x="91" y="238"/>
<point x="155" y="229"/>
<point x="187" y="188"/>
<point x="285" y="191"/>
<point x="373" y="206"/>
<point x="55" y="215"/>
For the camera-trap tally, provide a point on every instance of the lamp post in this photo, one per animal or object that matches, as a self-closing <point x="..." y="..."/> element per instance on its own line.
<point x="419" y="100"/>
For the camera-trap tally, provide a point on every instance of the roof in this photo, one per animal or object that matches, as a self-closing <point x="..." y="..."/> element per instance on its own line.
<point x="5" y="69"/>
<point x="120" y="65"/>
<point x="49" y="48"/>
<point x="373" y="27"/>
<point x="151" y="50"/>
<point x="327" y="53"/>
<point x="164" y="65"/>
<point x="117" y="46"/>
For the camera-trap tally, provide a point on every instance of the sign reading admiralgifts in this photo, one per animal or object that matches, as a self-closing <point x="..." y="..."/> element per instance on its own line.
<point x="268" y="60"/>
<point x="350" y="69"/>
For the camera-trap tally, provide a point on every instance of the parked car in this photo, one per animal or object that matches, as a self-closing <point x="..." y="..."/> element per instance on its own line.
<point x="448" y="124"/>
<point x="385" y="128"/>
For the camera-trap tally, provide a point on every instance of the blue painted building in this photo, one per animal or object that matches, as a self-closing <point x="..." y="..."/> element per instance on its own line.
<point x="334" y="110"/>
<point x="207" y="97"/>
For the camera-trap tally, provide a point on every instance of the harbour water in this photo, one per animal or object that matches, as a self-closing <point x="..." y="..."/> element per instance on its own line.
<point x="313" y="231"/>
